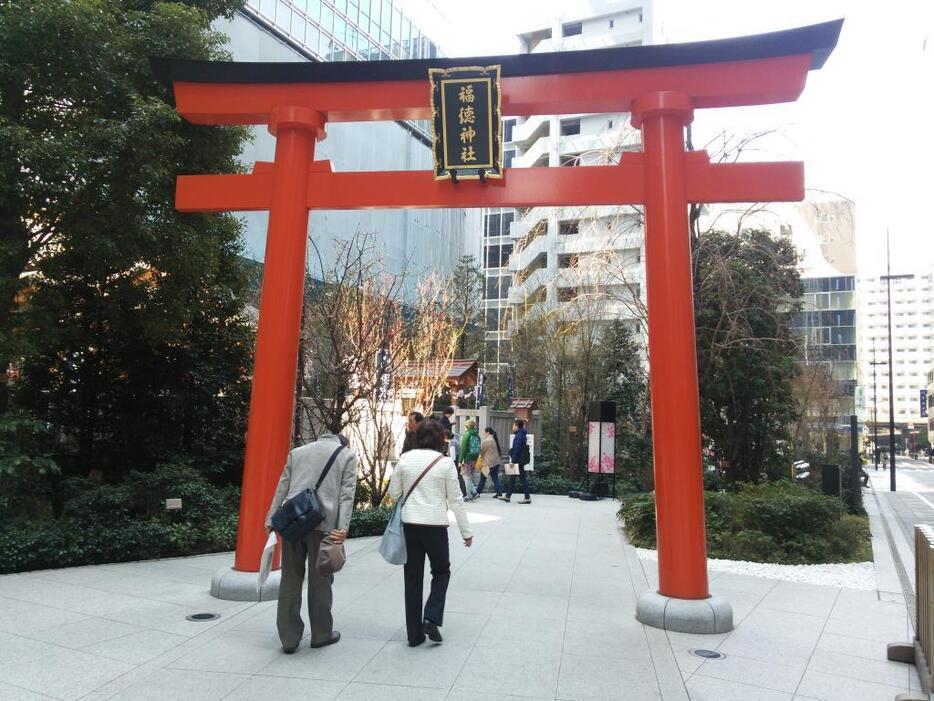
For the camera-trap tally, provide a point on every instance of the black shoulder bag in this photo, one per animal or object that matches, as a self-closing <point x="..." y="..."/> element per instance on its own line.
<point x="301" y="514"/>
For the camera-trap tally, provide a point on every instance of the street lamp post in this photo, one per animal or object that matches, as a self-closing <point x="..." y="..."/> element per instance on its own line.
<point x="875" y="414"/>
<point x="888" y="277"/>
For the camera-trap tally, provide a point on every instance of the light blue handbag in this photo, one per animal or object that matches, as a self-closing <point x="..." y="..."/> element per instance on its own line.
<point x="392" y="544"/>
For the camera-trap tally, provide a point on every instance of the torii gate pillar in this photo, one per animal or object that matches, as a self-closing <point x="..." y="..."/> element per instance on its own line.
<point x="676" y="433"/>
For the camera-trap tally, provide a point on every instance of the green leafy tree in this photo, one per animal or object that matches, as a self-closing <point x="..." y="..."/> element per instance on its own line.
<point x="466" y="306"/>
<point x="128" y="332"/>
<point x="26" y="461"/>
<point x="746" y="288"/>
<point x="625" y="379"/>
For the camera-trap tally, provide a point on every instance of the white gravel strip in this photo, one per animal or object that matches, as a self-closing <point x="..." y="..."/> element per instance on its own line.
<point x="855" y="575"/>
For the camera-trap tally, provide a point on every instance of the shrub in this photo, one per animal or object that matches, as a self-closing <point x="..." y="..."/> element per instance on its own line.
<point x="367" y="522"/>
<point x="66" y="543"/>
<point x="550" y="484"/>
<point x="776" y="522"/>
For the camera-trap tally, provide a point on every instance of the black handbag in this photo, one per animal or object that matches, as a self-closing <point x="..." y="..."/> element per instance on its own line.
<point x="301" y="514"/>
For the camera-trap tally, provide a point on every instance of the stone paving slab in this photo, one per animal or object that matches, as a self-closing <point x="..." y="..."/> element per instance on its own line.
<point x="541" y="608"/>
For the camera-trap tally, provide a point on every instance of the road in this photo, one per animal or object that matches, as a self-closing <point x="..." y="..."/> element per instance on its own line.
<point x="913" y="500"/>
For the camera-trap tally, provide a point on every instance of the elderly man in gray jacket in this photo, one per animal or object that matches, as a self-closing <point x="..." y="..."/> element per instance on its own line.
<point x="302" y="469"/>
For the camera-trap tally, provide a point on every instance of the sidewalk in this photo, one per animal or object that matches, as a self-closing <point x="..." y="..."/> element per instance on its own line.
<point x="542" y="607"/>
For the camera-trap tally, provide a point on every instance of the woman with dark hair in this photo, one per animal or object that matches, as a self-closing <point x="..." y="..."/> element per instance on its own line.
<point x="427" y="479"/>
<point x="492" y="456"/>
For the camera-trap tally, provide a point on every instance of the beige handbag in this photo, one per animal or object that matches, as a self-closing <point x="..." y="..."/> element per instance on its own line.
<point x="331" y="557"/>
<point x="512" y="468"/>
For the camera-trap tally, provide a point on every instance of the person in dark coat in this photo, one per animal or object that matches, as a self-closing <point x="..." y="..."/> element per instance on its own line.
<point x="415" y="418"/>
<point x="519" y="454"/>
<point x="445" y="420"/>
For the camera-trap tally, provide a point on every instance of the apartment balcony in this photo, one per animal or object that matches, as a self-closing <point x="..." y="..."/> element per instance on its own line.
<point x="600" y="277"/>
<point x="520" y="228"/>
<point x="599" y="242"/>
<point x="597" y="147"/>
<point x="519" y="293"/>
<point x="531" y="129"/>
<point x="627" y="35"/>
<point x="539" y="150"/>
<point x="522" y="259"/>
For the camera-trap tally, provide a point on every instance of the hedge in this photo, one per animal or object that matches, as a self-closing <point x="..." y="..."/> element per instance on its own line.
<point x="777" y="522"/>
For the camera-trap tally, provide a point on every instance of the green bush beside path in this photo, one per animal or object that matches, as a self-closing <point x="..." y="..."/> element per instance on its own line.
<point x="776" y="522"/>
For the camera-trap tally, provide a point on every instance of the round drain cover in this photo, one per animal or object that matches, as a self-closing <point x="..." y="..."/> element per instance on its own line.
<point x="203" y="617"/>
<point x="708" y="654"/>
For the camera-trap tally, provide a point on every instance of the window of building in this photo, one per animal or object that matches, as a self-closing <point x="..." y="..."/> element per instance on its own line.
<point x="492" y="319"/>
<point x="508" y="157"/>
<point x="570" y="161"/>
<point x="572" y="29"/>
<point x="497" y="223"/>
<point x="568" y="260"/>
<point x="508" y="126"/>
<point x="283" y="15"/>
<point x="570" y="127"/>
<point x="568" y="228"/>
<point x="567" y="294"/>
<point x="508" y="218"/>
<point x="497" y="287"/>
<point x="498" y="256"/>
<point x="327" y="18"/>
<point x="612" y="23"/>
<point x="493" y="225"/>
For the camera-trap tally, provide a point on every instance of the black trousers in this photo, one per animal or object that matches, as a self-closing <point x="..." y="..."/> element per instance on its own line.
<point x="419" y="542"/>
<point x="523" y="475"/>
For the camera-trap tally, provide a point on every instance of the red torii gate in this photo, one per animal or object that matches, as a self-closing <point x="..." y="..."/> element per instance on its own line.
<point x="659" y="85"/>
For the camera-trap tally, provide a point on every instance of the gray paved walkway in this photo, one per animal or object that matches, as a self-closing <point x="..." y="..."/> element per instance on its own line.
<point x="541" y="607"/>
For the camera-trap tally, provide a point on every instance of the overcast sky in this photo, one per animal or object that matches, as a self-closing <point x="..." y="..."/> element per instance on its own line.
<point x="862" y="125"/>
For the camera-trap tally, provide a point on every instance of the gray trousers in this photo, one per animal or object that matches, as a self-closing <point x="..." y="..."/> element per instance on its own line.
<point x="289" y="614"/>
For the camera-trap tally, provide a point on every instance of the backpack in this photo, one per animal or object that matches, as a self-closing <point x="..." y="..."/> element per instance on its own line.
<point x="473" y="446"/>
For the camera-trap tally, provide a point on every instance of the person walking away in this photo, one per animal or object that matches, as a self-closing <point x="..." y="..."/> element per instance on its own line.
<point x="413" y="420"/>
<point x="492" y="457"/>
<point x="454" y="451"/>
<point x="470" y="451"/>
<point x="429" y="477"/>
<point x="519" y="454"/>
<point x="446" y="419"/>
<point x="303" y="467"/>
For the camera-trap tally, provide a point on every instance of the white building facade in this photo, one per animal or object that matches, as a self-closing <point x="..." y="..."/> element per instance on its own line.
<point x="541" y="259"/>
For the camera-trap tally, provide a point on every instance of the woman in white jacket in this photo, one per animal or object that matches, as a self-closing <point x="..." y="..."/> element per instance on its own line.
<point x="425" y="518"/>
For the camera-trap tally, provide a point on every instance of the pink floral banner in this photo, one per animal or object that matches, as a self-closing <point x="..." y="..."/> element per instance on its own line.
<point x="601" y="447"/>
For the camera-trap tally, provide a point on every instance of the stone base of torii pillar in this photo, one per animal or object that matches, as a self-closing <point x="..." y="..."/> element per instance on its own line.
<point x="706" y="616"/>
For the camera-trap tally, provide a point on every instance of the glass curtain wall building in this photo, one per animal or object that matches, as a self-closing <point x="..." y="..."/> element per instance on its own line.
<point x="347" y="30"/>
<point x="411" y="241"/>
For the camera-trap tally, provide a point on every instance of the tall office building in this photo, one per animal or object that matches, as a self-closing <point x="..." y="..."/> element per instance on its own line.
<point x="912" y="345"/>
<point x="543" y="259"/>
<point x="350" y="30"/>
